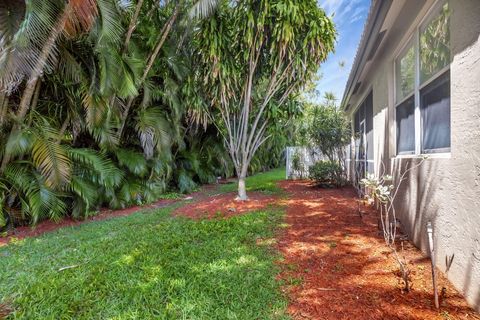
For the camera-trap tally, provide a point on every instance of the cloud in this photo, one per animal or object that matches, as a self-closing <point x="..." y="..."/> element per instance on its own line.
<point x="358" y="14"/>
<point x="349" y="17"/>
<point x="341" y="9"/>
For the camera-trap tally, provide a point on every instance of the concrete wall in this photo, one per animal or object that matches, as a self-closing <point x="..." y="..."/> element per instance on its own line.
<point x="445" y="191"/>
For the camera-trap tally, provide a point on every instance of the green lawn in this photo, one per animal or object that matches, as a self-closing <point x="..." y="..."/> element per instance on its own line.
<point x="265" y="182"/>
<point x="148" y="266"/>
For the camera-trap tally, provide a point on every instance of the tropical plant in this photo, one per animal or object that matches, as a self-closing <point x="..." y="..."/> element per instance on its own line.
<point x="383" y="190"/>
<point x="70" y="85"/>
<point x="252" y="56"/>
<point x="100" y="105"/>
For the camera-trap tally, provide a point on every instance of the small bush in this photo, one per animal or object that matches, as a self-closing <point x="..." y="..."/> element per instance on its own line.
<point x="327" y="173"/>
<point x="298" y="167"/>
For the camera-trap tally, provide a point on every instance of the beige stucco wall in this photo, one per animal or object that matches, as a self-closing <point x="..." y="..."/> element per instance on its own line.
<point x="445" y="191"/>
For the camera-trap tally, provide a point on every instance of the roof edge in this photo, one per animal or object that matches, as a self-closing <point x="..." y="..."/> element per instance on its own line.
<point x="376" y="16"/>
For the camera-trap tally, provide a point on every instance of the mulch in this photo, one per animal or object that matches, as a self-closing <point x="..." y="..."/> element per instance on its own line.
<point x="336" y="266"/>
<point x="225" y="205"/>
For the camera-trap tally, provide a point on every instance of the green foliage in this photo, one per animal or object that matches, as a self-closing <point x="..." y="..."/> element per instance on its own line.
<point x="147" y="266"/>
<point x="329" y="131"/>
<point x="327" y="173"/>
<point x="298" y="167"/>
<point x="111" y="121"/>
<point x="251" y="59"/>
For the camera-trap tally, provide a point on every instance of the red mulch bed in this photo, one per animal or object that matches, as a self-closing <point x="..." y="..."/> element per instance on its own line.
<point x="49" y="226"/>
<point x="336" y="266"/>
<point x="224" y="205"/>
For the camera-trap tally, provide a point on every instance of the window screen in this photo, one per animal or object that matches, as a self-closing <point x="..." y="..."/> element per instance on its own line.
<point x="435" y="109"/>
<point x="405" y="116"/>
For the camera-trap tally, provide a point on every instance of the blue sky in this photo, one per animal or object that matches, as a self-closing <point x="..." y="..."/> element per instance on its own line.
<point x="349" y="17"/>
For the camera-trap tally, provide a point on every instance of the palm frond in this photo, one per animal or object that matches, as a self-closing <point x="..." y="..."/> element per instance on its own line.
<point x="37" y="199"/>
<point x="133" y="161"/>
<point x="154" y="131"/>
<point x="86" y="195"/>
<point x="109" y="28"/>
<point x="21" y="55"/>
<point x="100" y="170"/>
<point x="203" y="8"/>
<point x="50" y="157"/>
<point x="19" y="142"/>
<point x="185" y="182"/>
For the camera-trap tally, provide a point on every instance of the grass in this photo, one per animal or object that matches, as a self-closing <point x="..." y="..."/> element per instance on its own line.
<point x="171" y="196"/>
<point x="148" y="265"/>
<point x="265" y="182"/>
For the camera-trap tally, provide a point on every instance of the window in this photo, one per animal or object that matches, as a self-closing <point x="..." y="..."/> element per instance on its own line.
<point x="405" y="113"/>
<point x="405" y="69"/>
<point x="364" y="138"/>
<point x="435" y="44"/>
<point x="422" y="86"/>
<point x="435" y="108"/>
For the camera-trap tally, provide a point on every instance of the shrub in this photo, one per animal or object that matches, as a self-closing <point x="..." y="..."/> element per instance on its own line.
<point x="327" y="173"/>
<point x="297" y="165"/>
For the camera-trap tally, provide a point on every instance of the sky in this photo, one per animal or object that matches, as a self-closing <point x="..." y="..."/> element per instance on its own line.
<point x="349" y="17"/>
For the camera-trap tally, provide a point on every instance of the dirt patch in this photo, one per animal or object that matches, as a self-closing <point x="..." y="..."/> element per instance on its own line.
<point x="5" y="310"/>
<point x="336" y="266"/>
<point x="224" y="205"/>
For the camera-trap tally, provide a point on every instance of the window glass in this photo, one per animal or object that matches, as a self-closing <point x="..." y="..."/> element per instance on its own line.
<point x="369" y="126"/>
<point x="359" y="131"/>
<point x="405" y="117"/>
<point x="435" y="44"/>
<point x="435" y="109"/>
<point x="357" y="122"/>
<point x="405" y="73"/>
<point x="370" y="167"/>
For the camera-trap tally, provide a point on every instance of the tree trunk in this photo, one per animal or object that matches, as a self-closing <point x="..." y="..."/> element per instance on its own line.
<point x="163" y="37"/>
<point x="34" y="102"/>
<point x="37" y="71"/>
<point x="63" y="128"/>
<point x="40" y="65"/>
<point x="242" y="191"/>
<point x="3" y="107"/>
<point x="132" y="25"/>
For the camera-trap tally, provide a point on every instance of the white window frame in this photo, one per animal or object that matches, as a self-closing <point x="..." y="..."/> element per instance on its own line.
<point x="414" y="40"/>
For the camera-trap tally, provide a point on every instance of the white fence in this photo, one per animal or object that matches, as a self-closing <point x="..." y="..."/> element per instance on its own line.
<point x="299" y="159"/>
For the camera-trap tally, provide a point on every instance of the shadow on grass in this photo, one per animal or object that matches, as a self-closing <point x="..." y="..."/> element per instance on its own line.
<point x="146" y="266"/>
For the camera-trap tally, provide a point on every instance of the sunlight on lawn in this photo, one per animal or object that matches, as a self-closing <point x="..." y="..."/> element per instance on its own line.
<point x="149" y="265"/>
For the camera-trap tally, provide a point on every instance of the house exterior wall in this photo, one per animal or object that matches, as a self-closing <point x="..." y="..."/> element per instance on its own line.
<point x="445" y="189"/>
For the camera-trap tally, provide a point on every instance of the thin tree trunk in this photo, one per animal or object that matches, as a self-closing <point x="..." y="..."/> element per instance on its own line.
<point x="164" y="33"/>
<point x="35" y="98"/>
<point x="132" y="26"/>
<point x="242" y="189"/>
<point x="35" y="75"/>
<point x="40" y="65"/>
<point x="3" y="107"/>
<point x="63" y="129"/>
